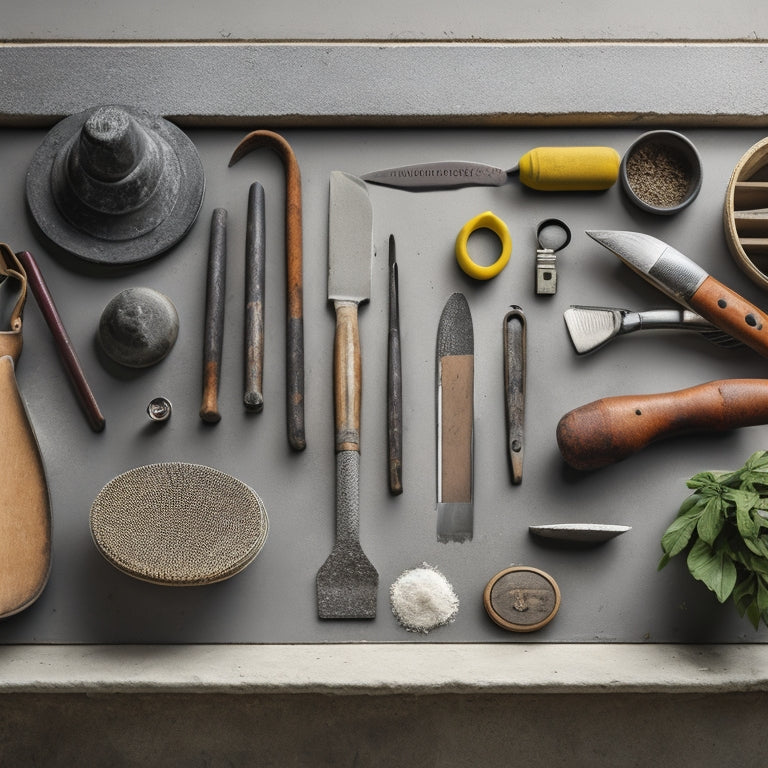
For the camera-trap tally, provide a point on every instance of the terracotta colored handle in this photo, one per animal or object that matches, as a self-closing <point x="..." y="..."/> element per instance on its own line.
<point x="611" y="429"/>
<point x="732" y="313"/>
<point x="347" y="377"/>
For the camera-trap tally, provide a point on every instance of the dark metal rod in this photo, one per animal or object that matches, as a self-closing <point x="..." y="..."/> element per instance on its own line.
<point x="63" y="343"/>
<point x="214" y="316"/>
<point x="394" y="381"/>
<point x="255" y="265"/>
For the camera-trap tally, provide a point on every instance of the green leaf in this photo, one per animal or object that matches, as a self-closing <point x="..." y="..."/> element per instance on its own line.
<point x="744" y="593"/>
<point x="712" y="519"/>
<point x="753" y="614"/>
<point x="677" y="536"/>
<point x="762" y="595"/>
<point x="715" y="569"/>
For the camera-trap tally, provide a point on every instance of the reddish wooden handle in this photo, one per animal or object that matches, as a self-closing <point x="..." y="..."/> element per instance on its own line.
<point x="608" y="430"/>
<point x="347" y="377"/>
<point x="732" y="313"/>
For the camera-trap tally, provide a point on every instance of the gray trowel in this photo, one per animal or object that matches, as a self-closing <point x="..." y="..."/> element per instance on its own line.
<point x="593" y="327"/>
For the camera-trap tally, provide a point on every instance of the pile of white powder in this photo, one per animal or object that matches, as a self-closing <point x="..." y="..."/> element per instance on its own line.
<point x="423" y="599"/>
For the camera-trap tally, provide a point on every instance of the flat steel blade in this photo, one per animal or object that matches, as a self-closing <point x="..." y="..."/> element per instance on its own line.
<point x="660" y="264"/>
<point x="440" y="175"/>
<point x="350" y="239"/>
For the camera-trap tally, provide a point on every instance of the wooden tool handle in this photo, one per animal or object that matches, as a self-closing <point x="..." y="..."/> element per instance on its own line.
<point x="255" y="264"/>
<point x="63" y="343"/>
<point x="608" y="430"/>
<point x="214" y="316"/>
<point x="732" y="313"/>
<point x="347" y="377"/>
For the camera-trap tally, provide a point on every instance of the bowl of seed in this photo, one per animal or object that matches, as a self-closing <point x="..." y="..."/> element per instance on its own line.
<point x="661" y="172"/>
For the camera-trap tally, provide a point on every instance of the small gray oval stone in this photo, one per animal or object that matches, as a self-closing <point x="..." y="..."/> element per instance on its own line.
<point x="138" y="327"/>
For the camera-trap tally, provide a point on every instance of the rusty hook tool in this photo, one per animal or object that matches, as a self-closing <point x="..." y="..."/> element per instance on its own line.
<point x="293" y="248"/>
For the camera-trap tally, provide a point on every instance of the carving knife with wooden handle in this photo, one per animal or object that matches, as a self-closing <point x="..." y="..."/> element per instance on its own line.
<point x="690" y="285"/>
<point x="347" y="582"/>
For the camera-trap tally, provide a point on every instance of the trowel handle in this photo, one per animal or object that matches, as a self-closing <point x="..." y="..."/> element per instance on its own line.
<point x="608" y="430"/>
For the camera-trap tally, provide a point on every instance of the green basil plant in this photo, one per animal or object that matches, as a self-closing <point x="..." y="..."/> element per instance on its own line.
<point x="725" y="525"/>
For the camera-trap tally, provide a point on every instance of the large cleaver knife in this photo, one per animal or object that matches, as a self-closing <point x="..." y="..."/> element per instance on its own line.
<point x="455" y="420"/>
<point x="347" y="582"/>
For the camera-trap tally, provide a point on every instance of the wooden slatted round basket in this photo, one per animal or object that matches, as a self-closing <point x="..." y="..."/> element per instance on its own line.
<point x="745" y="213"/>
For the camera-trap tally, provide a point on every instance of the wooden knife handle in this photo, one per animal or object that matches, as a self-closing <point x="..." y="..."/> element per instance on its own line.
<point x="732" y="313"/>
<point x="608" y="430"/>
<point x="347" y="377"/>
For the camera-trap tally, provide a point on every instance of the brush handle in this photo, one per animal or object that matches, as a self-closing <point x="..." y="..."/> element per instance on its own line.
<point x="347" y="377"/>
<point x="611" y="429"/>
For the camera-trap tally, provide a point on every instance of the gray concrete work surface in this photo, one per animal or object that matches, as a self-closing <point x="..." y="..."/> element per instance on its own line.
<point x="69" y="698"/>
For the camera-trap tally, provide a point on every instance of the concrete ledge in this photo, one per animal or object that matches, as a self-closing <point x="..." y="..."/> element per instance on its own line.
<point x="391" y="669"/>
<point x="385" y="83"/>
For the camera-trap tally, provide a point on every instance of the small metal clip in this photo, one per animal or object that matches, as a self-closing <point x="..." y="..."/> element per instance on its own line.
<point x="546" y="258"/>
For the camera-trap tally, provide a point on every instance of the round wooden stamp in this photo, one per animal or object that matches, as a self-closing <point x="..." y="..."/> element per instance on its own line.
<point x="522" y="599"/>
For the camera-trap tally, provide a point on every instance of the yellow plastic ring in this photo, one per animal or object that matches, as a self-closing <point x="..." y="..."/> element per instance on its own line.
<point x="490" y="221"/>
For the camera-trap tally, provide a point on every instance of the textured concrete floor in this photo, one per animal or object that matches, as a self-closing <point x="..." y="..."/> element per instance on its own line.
<point x="382" y="731"/>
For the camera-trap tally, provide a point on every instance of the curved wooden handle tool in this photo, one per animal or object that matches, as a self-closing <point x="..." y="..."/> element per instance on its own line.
<point x="25" y="512"/>
<point x="613" y="428"/>
<point x="214" y="316"/>
<point x="294" y="279"/>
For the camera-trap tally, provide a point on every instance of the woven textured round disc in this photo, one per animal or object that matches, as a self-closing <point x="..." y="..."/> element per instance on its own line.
<point x="178" y="524"/>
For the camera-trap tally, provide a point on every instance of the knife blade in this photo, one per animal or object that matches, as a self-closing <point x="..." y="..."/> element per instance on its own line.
<point x="347" y="582"/>
<point x="688" y="284"/>
<point x="547" y="169"/>
<point x="455" y="420"/>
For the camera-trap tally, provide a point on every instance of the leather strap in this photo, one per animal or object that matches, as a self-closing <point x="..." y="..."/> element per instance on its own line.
<point x="10" y="268"/>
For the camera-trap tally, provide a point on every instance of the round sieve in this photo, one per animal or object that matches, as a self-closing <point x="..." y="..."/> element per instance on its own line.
<point x="178" y="524"/>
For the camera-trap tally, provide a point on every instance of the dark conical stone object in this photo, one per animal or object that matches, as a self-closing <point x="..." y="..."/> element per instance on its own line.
<point x="138" y="327"/>
<point x="115" y="185"/>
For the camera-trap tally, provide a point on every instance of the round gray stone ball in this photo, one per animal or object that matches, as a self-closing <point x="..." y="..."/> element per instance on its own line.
<point x="138" y="327"/>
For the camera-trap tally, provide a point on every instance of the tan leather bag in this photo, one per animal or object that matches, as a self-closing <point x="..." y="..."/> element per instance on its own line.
<point x="25" y="512"/>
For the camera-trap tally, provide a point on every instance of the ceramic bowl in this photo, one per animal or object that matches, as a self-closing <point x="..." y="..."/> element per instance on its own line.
<point x="661" y="172"/>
